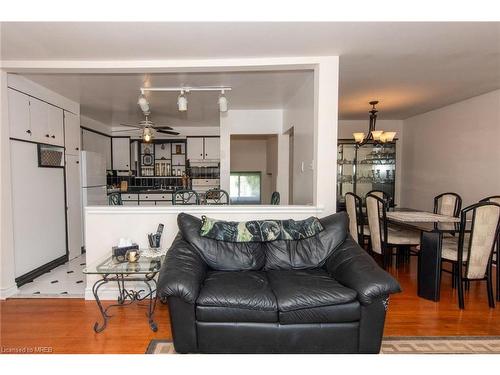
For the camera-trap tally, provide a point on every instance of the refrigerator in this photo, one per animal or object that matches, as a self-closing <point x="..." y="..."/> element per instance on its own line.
<point x="94" y="189"/>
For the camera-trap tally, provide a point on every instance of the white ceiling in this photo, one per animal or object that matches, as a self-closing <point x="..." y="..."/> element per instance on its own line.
<point x="112" y="99"/>
<point x="410" y="67"/>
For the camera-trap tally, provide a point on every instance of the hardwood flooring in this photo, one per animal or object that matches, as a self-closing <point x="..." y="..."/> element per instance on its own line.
<point x="65" y="325"/>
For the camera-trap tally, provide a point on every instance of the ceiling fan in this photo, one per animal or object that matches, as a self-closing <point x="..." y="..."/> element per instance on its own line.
<point x="147" y="127"/>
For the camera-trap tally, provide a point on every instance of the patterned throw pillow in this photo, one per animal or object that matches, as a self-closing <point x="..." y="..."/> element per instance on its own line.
<point x="259" y="230"/>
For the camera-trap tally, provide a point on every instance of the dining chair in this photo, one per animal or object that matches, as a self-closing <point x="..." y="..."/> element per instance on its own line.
<point x="115" y="199"/>
<point x="275" y="198"/>
<point x="354" y="208"/>
<point x="385" y="238"/>
<point x="496" y="256"/>
<point x="216" y="197"/>
<point x="448" y="204"/>
<point x="472" y="252"/>
<point x="186" y="197"/>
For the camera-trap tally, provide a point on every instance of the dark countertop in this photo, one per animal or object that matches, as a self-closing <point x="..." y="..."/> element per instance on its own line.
<point x="146" y="190"/>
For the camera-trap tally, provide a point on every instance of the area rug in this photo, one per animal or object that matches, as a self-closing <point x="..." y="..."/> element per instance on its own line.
<point x="400" y="345"/>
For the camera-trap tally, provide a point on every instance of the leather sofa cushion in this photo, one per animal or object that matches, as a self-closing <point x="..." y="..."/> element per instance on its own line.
<point x="308" y="253"/>
<point x="220" y="255"/>
<point x="244" y="296"/>
<point x="346" y="312"/>
<point x="304" y="289"/>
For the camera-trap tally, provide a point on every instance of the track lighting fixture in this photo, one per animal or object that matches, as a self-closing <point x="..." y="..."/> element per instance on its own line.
<point x="222" y="102"/>
<point x="143" y="103"/>
<point x="182" y="102"/>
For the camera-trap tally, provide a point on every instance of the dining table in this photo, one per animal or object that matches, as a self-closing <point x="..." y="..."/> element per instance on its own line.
<point x="431" y="238"/>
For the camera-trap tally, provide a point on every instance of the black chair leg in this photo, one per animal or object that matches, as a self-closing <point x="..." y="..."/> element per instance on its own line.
<point x="489" y="282"/>
<point x="467" y="285"/>
<point x="460" y="286"/>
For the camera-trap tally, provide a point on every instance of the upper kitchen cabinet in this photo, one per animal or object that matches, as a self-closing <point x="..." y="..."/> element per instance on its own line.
<point x="195" y="148"/>
<point x="72" y="133"/>
<point x="212" y="148"/>
<point x="34" y="120"/>
<point x="19" y="115"/>
<point x="46" y="122"/>
<point x="121" y="153"/>
<point x="202" y="148"/>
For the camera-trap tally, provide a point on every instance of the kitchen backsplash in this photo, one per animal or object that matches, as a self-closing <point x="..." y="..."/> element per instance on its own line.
<point x="138" y="182"/>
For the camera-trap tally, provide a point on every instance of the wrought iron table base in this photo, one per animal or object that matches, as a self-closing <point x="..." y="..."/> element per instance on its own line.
<point x="126" y="297"/>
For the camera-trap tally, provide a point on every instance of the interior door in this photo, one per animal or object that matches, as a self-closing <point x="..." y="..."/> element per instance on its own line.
<point x="74" y="205"/>
<point x="212" y="148"/>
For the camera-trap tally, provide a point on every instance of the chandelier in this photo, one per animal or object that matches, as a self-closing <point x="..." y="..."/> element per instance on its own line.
<point x="378" y="136"/>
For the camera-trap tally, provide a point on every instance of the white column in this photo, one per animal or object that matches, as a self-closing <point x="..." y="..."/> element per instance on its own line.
<point x="282" y="183"/>
<point x="326" y="86"/>
<point x="7" y="266"/>
<point x="225" y="152"/>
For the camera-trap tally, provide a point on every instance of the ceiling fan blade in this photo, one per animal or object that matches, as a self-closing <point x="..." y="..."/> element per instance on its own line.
<point x="167" y="132"/>
<point x="132" y="126"/>
<point x="163" y="127"/>
<point x="127" y="130"/>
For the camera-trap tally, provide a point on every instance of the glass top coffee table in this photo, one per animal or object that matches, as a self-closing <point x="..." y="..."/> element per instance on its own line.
<point x="110" y="270"/>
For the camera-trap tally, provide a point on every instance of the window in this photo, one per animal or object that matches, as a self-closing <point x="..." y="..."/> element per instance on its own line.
<point x="245" y="187"/>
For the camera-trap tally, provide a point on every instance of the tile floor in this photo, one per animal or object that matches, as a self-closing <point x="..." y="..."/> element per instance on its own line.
<point x="65" y="281"/>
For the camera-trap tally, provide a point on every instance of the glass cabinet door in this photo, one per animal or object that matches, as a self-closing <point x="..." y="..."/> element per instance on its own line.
<point x="361" y="170"/>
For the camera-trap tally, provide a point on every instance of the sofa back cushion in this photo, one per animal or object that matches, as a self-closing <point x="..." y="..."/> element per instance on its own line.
<point x="221" y="255"/>
<point x="308" y="253"/>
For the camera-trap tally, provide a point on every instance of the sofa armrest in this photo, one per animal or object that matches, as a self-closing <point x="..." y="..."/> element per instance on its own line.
<point x="353" y="267"/>
<point x="182" y="272"/>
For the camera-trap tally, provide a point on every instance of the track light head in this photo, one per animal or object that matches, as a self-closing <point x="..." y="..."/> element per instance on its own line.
<point x="182" y="102"/>
<point x="222" y="102"/>
<point x="144" y="104"/>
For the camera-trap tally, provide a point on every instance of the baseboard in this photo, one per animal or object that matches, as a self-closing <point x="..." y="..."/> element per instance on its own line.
<point x="8" y="292"/>
<point x="27" y="277"/>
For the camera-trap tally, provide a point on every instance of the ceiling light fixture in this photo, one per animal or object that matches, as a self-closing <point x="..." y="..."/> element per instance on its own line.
<point x="147" y="134"/>
<point x="143" y="103"/>
<point x="222" y="102"/>
<point x="182" y="102"/>
<point x="378" y="136"/>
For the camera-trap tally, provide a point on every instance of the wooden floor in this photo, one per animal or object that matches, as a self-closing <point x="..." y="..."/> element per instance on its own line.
<point x="65" y="325"/>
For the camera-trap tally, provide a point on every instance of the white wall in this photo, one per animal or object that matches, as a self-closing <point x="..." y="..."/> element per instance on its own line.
<point x="347" y="127"/>
<point x="455" y="148"/>
<point x="299" y="114"/>
<point x="136" y="222"/>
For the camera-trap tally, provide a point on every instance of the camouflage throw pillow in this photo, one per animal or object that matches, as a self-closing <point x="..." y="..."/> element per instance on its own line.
<point x="259" y="230"/>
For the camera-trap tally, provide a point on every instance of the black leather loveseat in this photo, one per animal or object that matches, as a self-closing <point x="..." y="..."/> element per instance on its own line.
<point x="322" y="294"/>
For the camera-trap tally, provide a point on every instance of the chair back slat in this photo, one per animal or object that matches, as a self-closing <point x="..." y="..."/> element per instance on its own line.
<point x="480" y="244"/>
<point x="216" y="197"/>
<point x="376" y="210"/>
<point x="186" y="197"/>
<point x="448" y="204"/>
<point x="352" y="203"/>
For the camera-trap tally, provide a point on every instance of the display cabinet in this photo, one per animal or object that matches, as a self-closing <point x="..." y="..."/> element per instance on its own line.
<point x="362" y="169"/>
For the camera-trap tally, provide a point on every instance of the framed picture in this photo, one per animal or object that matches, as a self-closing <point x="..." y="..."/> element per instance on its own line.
<point x="147" y="159"/>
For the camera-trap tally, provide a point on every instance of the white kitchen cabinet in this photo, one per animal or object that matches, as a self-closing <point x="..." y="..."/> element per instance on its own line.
<point x="46" y="123"/>
<point x="72" y="133"/>
<point x="147" y="203"/>
<point x="130" y="203"/>
<point x="121" y="153"/>
<point x="195" y="148"/>
<point x="74" y="205"/>
<point x="39" y="120"/>
<point x="55" y="125"/>
<point x="19" y="115"/>
<point x="212" y="148"/>
<point x="203" y="148"/>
